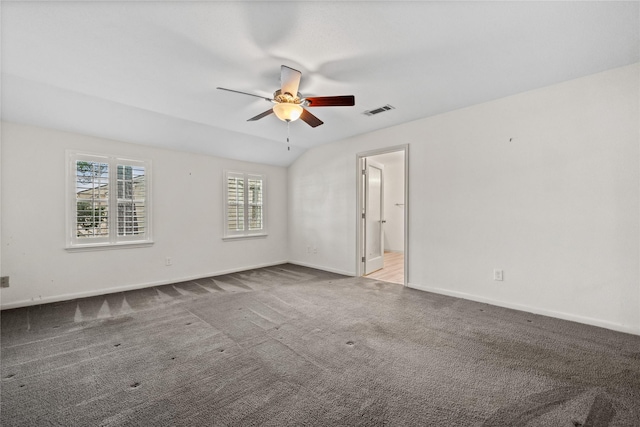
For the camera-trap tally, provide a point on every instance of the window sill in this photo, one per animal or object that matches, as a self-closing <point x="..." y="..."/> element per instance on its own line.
<point x="244" y="236"/>
<point x="108" y="246"/>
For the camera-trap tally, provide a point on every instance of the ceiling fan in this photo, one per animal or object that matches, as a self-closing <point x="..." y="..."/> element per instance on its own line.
<point x="289" y="105"/>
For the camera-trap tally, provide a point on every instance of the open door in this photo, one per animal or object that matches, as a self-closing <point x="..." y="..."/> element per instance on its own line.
<point x="373" y="216"/>
<point x="383" y="219"/>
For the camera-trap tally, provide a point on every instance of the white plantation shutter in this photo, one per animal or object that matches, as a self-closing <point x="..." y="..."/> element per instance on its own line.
<point x="235" y="203"/>
<point x="254" y="202"/>
<point x="244" y="204"/>
<point x="132" y="209"/>
<point x="109" y="204"/>
<point x="91" y="178"/>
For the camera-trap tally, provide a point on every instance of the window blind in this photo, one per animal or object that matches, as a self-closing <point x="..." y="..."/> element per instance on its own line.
<point x="110" y="202"/>
<point x="255" y="203"/>
<point x="132" y="209"/>
<point x="244" y="204"/>
<point x="235" y="203"/>
<point x="92" y="199"/>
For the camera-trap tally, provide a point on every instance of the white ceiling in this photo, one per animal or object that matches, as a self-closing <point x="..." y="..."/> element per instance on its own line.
<point x="147" y="72"/>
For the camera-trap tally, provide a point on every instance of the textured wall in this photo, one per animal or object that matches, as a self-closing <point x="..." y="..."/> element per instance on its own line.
<point x="544" y="185"/>
<point x="187" y="220"/>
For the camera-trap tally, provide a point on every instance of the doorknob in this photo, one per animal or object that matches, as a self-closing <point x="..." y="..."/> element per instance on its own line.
<point x="384" y="221"/>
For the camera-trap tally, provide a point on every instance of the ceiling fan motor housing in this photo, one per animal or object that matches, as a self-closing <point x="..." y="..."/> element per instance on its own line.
<point x="286" y="97"/>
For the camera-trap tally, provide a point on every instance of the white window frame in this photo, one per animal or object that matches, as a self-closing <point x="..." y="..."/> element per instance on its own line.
<point x="246" y="233"/>
<point x="113" y="240"/>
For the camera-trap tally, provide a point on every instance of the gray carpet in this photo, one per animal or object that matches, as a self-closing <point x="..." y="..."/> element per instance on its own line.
<point x="295" y="346"/>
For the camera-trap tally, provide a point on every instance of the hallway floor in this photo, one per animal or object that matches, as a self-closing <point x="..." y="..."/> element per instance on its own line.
<point x="393" y="270"/>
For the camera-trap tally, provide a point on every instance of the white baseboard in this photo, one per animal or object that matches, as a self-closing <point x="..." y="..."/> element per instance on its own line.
<point x="323" y="268"/>
<point x="529" y="309"/>
<point x="97" y="292"/>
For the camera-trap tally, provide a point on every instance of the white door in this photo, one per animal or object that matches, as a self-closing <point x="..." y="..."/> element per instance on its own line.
<point x="374" y="217"/>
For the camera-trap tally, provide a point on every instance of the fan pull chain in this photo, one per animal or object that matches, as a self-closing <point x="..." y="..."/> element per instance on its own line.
<point x="288" y="129"/>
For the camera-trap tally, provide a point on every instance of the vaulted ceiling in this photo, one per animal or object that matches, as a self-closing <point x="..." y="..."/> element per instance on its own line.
<point x="147" y="72"/>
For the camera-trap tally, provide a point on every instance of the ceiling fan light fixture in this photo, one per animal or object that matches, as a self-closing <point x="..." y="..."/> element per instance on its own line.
<point x="287" y="112"/>
<point x="290" y="105"/>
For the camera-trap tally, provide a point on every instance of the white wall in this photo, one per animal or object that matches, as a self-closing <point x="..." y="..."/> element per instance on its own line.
<point x="394" y="207"/>
<point x="187" y="220"/>
<point x="544" y="185"/>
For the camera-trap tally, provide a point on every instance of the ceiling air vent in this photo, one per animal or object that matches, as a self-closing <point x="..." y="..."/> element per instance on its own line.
<point x="379" y="110"/>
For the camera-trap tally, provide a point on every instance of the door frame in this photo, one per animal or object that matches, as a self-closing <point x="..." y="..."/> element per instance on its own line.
<point x="360" y="251"/>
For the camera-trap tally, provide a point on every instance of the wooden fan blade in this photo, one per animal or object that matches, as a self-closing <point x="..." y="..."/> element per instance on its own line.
<point x="331" y="101"/>
<point x="245" y="93"/>
<point x="290" y="80"/>
<point x="261" y="115"/>
<point x="310" y="119"/>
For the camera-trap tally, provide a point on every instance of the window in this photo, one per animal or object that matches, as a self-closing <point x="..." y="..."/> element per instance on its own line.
<point x="99" y="216"/>
<point x="244" y="204"/>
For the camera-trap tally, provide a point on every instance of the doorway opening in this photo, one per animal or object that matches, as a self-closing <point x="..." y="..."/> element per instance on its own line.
<point x="382" y="232"/>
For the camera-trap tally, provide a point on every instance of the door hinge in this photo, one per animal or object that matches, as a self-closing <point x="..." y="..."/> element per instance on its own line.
<point x="364" y="171"/>
<point x="363" y="259"/>
<point x="363" y="215"/>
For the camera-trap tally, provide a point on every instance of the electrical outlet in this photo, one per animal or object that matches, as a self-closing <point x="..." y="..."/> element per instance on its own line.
<point x="4" y="282"/>
<point x="168" y="261"/>
<point x="498" y="275"/>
